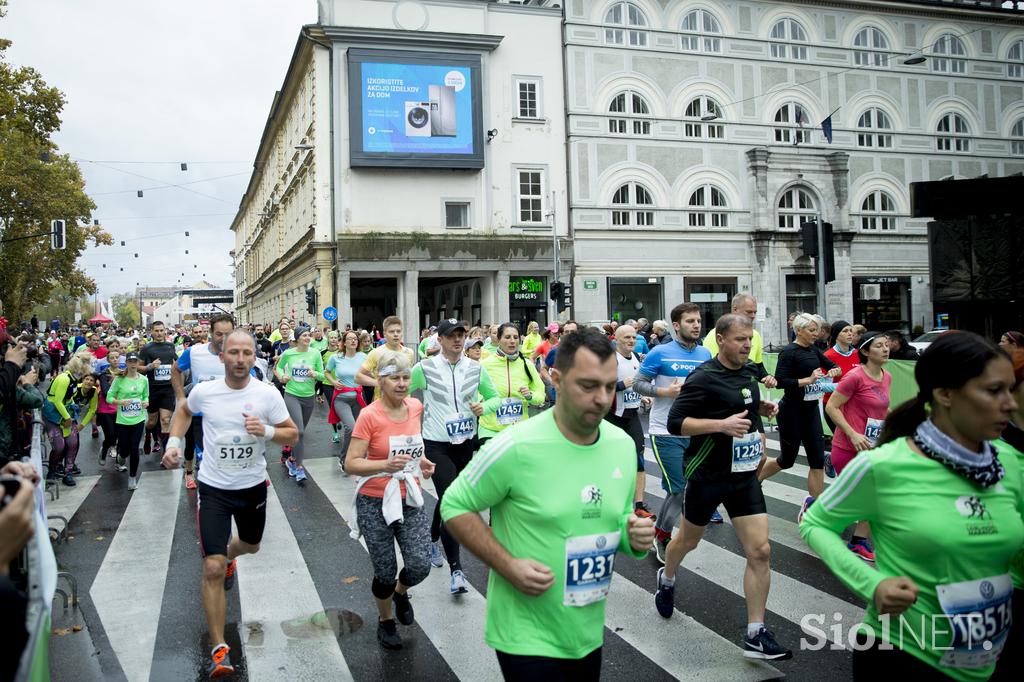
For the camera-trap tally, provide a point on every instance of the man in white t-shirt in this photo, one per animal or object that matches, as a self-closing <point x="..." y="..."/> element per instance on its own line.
<point x="240" y="414"/>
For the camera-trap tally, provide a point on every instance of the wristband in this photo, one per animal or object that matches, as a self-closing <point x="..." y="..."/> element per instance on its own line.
<point x="269" y="432"/>
<point x="176" y="442"/>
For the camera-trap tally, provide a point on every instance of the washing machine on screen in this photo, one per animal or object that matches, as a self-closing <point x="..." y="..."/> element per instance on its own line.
<point x="442" y="110"/>
<point x="417" y="119"/>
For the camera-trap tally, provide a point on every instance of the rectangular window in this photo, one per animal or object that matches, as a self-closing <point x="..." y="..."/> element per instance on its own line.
<point x="456" y="214"/>
<point x="528" y="94"/>
<point x="530" y="195"/>
<point x="801" y="293"/>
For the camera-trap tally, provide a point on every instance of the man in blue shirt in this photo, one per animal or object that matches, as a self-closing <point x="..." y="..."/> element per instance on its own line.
<point x="661" y="377"/>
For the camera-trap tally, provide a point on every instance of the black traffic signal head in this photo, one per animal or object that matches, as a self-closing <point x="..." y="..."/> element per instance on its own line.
<point x="311" y="301"/>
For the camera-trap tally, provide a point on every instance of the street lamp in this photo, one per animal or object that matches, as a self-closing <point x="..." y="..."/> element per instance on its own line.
<point x="915" y="59"/>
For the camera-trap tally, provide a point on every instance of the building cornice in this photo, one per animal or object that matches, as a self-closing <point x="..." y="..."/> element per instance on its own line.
<point x="361" y="35"/>
<point x="919" y="8"/>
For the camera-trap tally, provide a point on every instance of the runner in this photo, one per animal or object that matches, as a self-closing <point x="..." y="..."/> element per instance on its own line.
<point x="429" y="345"/>
<point x="106" y="411"/>
<point x="843" y="353"/>
<point x="746" y="305"/>
<point x="320" y="344"/>
<point x="58" y="418"/>
<point x="858" y="408"/>
<point x="387" y="454"/>
<point x="203" y="363"/>
<point x="326" y="387"/>
<point x="240" y="415"/>
<point x="157" y="361"/>
<point x="661" y="377"/>
<point x="450" y="383"/>
<point x="517" y="382"/>
<point x="804" y="374"/>
<point x="474" y="348"/>
<point x="720" y="409"/>
<point x="298" y="370"/>
<point x="939" y="596"/>
<point x="367" y="374"/>
<point x="560" y="491"/>
<point x="347" y="399"/>
<point x="625" y="413"/>
<point x="1011" y="341"/>
<point x="532" y="339"/>
<point x="130" y="392"/>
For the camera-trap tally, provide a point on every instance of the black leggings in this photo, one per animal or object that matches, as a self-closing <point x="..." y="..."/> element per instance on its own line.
<point x="877" y="664"/>
<point x="800" y="424"/>
<point x="107" y="422"/>
<point x="129" y="437"/>
<point x="544" y="669"/>
<point x="449" y="460"/>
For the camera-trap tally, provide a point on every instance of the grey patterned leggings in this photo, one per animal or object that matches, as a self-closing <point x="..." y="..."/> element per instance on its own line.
<point x="300" y="410"/>
<point x="413" y="536"/>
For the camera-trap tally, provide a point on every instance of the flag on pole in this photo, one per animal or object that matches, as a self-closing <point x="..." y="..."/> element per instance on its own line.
<point x="800" y="118"/>
<point x="826" y="128"/>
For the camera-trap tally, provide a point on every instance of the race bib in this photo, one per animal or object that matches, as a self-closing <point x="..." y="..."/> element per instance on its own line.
<point x="460" y="427"/>
<point x="510" y="411"/>
<point x="873" y="429"/>
<point x="631" y="399"/>
<point x="132" y="409"/>
<point x="407" y="445"/>
<point x="234" y="453"/>
<point x="301" y="373"/>
<point x="746" y="452"/>
<point x="588" y="568"/>
<point x="819" y="388"/>
<point x="979" y="617"/>
<point x="162" y="373"/>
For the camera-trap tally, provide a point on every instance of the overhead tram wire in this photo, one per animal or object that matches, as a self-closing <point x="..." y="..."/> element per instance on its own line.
<point x="179" y="185"/>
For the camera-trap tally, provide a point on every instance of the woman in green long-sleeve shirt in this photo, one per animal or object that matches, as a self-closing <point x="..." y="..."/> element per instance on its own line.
<point x="298" y="370"/>
<point x="945" y="508"/>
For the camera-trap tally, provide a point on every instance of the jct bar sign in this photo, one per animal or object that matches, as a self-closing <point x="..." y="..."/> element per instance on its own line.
<point x="527" y="291"/>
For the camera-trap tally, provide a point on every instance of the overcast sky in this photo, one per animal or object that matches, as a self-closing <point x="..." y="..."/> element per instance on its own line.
<point x="148" y="81"/>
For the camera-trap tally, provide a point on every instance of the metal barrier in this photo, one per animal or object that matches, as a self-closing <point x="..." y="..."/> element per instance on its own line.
<point x="42" y="577"/>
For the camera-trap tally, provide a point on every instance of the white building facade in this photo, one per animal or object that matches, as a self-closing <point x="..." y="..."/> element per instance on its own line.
<point x="695" y="148"/>
<point x="374" y="233"/>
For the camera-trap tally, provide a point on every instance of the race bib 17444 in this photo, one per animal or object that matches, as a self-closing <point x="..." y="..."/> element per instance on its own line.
<point x="460" y="427"/>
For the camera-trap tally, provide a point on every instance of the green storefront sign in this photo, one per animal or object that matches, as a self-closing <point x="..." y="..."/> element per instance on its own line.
<point x="527" y="291"/>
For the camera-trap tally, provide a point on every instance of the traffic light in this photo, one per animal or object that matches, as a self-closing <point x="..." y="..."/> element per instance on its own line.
<point x="311" y="301"/>
<point x="809" y="245"/>
<point x="556" y="291"/>
<point x="58" y="235"/>
<point x="561" y="294"/>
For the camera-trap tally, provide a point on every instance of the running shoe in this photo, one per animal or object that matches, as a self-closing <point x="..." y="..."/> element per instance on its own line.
<point x="808" y="501"/>
<point x="75" y="470"/>
<point x="95" y="432"/>
<point x="103" y="457"/>
<point x="403" y="608"/>
<point x="716" y="517"/>
<point x="69" y="480"/>
<point x="300" y="475"/>
<point x="436" y="556"/>
<point x="221" y="664"/>
<point x="664" y="598"/>
<point x="387" y="634"/>
<point x="459" y="584"/>
<point x="156" y="447"/>
<point x="862" y="549"/>
<point x="190" y="481"/>
<point x="229" y="575"/>
<point x="661" y="549"/>
<point x="764" y="646"/>
<point x="830" y="469"/>
<point x="336" y="437"/>
<point x="291" y="466"/>
<point x="146" y="446"/>
<point x="643" y="511"/>
<point x="133" y="483"/>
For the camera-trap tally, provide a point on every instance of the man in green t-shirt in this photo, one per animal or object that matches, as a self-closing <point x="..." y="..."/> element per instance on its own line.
<point x="560" y="491"/>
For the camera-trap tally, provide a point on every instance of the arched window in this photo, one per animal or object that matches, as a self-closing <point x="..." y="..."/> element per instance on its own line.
<point x="795" y="206"/>
<point x="871" y="47"/>
<point x="878" y="212"/>
<point x="706" y="206"/>
<point x="1017" y="138"/>
<point x="629" y="104"/>
<point x="698" y="108"/>
<point x="790" y="120"/>
<point x="1015" y="57"/>
<point x="627" y="24"/>
<point x="702" y="32"/>
<point x="953" y="134"/>
<point x="788" y="40"/>
<point x="874" y="129"/>
<point x="632" y="204"/>
<point x="948" y="55"/>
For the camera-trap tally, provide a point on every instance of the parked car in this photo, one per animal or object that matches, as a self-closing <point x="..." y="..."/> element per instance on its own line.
<point x="922" y="342"/>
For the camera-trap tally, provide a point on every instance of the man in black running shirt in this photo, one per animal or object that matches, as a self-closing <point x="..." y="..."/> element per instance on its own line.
<point x="155" y="361"/>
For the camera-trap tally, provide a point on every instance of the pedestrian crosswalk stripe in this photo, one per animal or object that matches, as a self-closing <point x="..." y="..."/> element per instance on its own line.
<point x="129" y="586"/>
<point x="275" y="588"/>
<point x="71" y="498"/>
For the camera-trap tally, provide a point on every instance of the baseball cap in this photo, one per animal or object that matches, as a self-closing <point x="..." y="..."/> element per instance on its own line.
<point x="131" y="356"/>
<point x="446" y="327"/>
<point x="470" y="343"/>
<point x="553" y="327"/>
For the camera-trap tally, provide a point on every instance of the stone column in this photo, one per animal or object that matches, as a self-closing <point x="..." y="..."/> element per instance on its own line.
<point x="501" y="308"/>
<point x="344" y="304"/>
<point x="409" y="305"/>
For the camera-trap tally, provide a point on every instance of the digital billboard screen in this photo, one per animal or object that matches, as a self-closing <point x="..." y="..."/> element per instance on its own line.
<point x="414" y="109"/>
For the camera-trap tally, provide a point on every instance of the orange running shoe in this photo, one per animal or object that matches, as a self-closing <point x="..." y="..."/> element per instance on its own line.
<point x="190" y="481"/>
<point x="221" y="664"/>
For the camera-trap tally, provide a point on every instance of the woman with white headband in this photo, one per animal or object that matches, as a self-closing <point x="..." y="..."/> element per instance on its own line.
<point x="386" y="451"/>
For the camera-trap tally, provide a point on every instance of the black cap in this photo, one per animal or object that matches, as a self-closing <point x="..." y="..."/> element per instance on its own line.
<point x="473" y="342"/>
<point x="131" y="356"/>
<point x="446" y="327"/>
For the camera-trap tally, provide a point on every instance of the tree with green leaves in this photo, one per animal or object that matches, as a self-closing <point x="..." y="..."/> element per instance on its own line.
<point x="38" y="184"/>
<point x="126" y="310"/>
